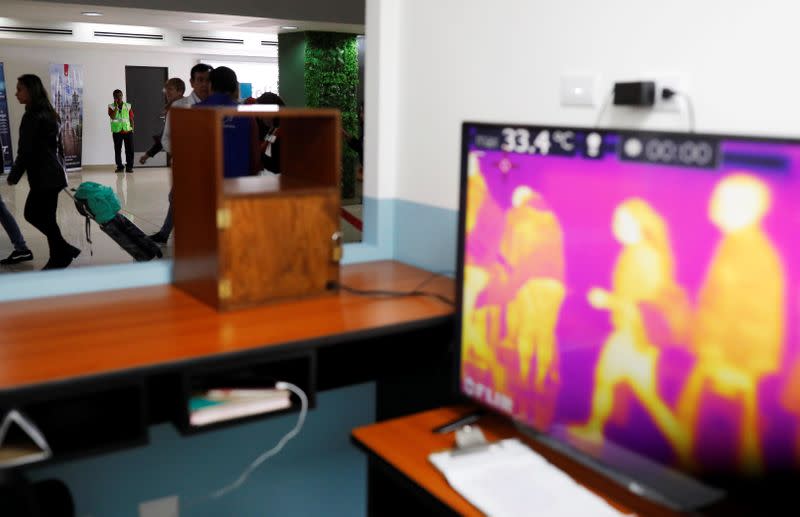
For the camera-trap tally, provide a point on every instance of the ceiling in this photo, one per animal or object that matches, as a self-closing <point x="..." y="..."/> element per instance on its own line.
<point x="52" y="13"/>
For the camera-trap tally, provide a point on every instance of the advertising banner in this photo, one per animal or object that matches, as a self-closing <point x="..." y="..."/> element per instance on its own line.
<point x="5" y="125"/>
<point x="66" y="88"/>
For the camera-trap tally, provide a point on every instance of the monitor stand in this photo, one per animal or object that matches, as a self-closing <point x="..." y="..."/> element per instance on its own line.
<point x="642" y="476"/>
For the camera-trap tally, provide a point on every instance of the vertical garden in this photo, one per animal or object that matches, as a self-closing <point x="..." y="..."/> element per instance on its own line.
<point x="329" y="80"/>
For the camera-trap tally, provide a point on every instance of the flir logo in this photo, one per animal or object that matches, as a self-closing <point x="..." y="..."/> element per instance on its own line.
<point x="488" y="395"/>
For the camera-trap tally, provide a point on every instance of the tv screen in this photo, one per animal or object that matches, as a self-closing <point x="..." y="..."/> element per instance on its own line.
<point x="635" y="291"/>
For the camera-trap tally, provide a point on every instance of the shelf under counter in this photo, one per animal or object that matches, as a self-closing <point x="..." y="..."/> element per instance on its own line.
<point x="273" y="184"/>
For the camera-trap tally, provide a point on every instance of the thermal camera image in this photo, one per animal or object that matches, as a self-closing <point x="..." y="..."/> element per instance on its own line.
<point x="646" y="305"/>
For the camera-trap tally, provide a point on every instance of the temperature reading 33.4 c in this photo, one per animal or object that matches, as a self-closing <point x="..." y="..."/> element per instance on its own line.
<point x="518" y="140"/>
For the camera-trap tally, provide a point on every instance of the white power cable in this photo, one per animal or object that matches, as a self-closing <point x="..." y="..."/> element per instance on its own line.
<point x="603" y="108"/>
<point x="689" y="109"/>
<point x="273" y="451"/>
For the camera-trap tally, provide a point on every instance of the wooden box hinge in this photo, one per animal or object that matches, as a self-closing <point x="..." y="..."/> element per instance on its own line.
<point x="223" y="218"/>
<point x="225" y="289"/>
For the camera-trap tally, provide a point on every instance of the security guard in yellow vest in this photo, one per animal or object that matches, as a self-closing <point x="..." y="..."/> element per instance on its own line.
<point x="121" y="114"/>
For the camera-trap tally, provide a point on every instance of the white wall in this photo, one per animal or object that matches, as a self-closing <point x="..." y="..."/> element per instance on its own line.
<point x="502" y="61"/>
<point x="103" y="72"/>
<point x="381" y="97"/>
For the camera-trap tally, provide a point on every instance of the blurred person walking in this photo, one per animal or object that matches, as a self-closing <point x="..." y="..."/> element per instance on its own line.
<point x="40" y="153"/>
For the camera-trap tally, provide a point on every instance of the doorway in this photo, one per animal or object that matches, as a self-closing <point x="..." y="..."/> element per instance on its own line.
<point x="144" y="90"/>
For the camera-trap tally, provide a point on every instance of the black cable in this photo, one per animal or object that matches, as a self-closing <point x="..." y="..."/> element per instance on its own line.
<point x="431" y="277"/>
<point x="668" y="93"/>
<point x="395" y="294"/>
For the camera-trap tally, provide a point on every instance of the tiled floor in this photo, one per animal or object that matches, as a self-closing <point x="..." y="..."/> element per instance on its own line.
<point x="143" y="196"/>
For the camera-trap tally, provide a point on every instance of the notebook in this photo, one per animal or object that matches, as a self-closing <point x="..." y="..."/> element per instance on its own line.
<point x="507" y="478"/>
<point x="220" y="405"/>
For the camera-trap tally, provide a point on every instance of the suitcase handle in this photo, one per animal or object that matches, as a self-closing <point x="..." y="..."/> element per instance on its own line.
<point x="70" y="192"/>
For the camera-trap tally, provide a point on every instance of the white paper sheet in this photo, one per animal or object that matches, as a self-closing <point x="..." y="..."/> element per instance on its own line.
<point x="508" y="478"/>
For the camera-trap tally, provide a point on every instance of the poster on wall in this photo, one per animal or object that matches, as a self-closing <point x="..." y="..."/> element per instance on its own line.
<point x="245" y="90"/>
<point x="66" y="88"/>
<point x="5" y="126"/>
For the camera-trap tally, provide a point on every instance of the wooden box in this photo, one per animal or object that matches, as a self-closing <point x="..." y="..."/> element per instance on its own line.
<point x="245" y="241"/>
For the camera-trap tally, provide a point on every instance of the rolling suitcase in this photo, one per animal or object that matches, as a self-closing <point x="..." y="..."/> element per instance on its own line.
<point x="129" y="236"/>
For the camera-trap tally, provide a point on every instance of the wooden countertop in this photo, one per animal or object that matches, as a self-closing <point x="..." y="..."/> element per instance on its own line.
<point x="61" y="338"/>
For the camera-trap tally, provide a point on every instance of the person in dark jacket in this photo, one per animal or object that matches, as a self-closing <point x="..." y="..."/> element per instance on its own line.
<point x="41" y="155"/>
<point x="174" y="89"/>
<point x="269" y="134"/>
<point x="239" y="156"/>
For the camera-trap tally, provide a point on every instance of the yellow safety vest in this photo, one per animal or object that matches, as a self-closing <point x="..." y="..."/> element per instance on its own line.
<point x="122" y="122"/>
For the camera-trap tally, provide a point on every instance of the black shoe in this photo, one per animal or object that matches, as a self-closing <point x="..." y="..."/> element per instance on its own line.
<point x="16" y="257"/>
<point x="63" y="259"/>
<point x="159" y="238"/>
<point x="119" y="169"/>
<point x="129" y="169"/>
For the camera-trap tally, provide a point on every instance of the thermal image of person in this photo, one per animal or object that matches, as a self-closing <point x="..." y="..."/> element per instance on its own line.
<point x="477" y="191"/>
<point x="643" y="280"/>
<point x="481" y="325"/>
<point x="476" y="322"/>
<point x="738" y="329"/>
<point x="532" y="246"/>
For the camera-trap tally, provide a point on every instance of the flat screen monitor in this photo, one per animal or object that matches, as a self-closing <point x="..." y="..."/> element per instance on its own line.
<point x="633" y="297"/>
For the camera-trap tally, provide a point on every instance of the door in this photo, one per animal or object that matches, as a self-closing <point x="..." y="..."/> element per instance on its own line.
<point x="144" y="90"/>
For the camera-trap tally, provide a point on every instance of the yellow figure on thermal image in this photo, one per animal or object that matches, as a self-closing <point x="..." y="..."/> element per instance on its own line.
<point x="477" y="191"/>
<point x="481" y="325"/>
<point x="533" y="247"/>
<point x="475" y="325"/>
<point x="644" y="276"/>
<point x="738" y="329"/>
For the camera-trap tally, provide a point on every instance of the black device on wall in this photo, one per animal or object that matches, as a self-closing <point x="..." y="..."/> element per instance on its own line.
<point x="637" y="93"/>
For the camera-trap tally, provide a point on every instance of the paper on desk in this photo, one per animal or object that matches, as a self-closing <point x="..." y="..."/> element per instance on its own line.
<point x="508" y="478"/>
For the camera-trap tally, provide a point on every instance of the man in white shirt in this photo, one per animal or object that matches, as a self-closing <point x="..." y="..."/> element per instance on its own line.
<point x="200" y="90"/>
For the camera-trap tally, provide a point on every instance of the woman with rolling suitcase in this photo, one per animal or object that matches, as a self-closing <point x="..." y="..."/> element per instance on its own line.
<point x="41" y="155"/>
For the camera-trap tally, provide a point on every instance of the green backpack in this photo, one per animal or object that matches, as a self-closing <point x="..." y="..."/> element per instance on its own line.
<point x="98" y="199"/>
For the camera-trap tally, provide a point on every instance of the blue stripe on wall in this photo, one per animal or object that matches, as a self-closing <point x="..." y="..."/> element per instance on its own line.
<point x="319" y="472"/>
<point x="426" y="236"/>
<point x="378" y="244"/>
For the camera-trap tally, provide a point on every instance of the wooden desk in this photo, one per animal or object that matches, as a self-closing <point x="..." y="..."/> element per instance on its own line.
<point x="398" y="454"/>
<point x="68" y="337"/>
<point x="94" y="370"/>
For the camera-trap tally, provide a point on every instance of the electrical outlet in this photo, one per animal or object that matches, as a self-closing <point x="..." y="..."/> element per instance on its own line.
<point x="673" y="82"/>
<point x="163" y="507"/>
<point x="578" y="90"/>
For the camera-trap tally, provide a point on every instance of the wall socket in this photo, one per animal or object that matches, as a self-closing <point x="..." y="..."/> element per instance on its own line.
<point x="163" y="507"/>
<point x="578" y="90"/>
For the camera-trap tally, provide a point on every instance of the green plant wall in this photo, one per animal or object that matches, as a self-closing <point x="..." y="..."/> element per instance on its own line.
<point x="331" y="81"/>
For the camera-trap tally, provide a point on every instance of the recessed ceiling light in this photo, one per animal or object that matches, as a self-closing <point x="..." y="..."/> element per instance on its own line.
<point x="198" y="21"/>
<point x="289" y="27"/>
<point x="91" y="13"/>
